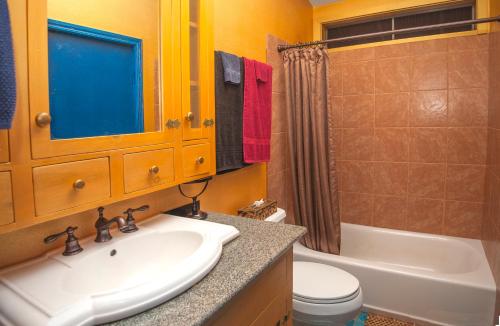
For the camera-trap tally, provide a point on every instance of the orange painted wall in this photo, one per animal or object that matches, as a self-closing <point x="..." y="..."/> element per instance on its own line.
<point x="345" y="10"/>
<point x="241" y="27"/>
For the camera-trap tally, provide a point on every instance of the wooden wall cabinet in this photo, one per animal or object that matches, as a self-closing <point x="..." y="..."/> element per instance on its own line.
<point x="197" y="68"/>
<point x="43" y="145"/>
<point x="45" y="177"/>
<point x="265" y="301"/>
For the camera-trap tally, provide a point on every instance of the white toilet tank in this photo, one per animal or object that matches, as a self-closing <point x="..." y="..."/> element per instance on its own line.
<point x="278" y="217"/>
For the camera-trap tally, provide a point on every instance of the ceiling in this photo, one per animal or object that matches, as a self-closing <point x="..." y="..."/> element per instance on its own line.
<point x="321" y="2"/>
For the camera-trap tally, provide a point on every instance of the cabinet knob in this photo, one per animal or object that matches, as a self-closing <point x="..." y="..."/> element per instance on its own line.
<point x="190" y="116"/>
<point x="173" y="124"/>
<point x="42" y="119"/>
<point x="208" y="122"/>
<point x="200" y="160"/>
<point x="154" y="169"/>
<point x="79" y="184"/>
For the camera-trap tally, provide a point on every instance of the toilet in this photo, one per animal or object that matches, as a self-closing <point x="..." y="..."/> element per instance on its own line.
<point x="322" y="294"/>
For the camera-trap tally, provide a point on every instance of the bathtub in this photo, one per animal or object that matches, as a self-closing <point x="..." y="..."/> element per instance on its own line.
<point x="432" y="279"/>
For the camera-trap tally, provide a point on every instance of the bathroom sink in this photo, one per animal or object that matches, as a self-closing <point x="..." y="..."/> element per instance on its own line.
<point x="108" y="281"/>
<point x="142" y="258"/>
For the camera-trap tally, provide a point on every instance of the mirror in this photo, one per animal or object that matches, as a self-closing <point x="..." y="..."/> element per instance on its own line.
<point x="104" y="67"/>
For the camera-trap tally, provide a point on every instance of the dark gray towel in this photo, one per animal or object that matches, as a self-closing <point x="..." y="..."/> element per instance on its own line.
<point x="232" y="68"/>
<point x="229" y="119"/>
<point x="7" y="71"/>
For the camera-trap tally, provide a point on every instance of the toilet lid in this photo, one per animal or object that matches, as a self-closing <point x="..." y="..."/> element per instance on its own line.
<point x="321" y="283"/>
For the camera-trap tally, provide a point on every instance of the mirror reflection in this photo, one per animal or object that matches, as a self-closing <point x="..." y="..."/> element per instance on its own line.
<point x="104" y="59"/>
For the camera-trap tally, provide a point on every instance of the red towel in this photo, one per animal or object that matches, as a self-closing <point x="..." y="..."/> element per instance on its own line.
<point x="257" y="110"/>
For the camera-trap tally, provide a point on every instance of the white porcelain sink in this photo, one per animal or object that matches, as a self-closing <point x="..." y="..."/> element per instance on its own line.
<point x="108" y="281"/>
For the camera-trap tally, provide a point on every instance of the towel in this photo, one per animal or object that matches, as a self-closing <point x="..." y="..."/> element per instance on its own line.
<point x="232" y="68"/>
<point x="257" y="112"/>
<point x="229" y="117"/>
<point x="7" y="71"/>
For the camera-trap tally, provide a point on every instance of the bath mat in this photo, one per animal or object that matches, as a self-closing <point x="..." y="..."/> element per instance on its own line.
<point x="378" y="320"/>
<point x="370" y="319"/>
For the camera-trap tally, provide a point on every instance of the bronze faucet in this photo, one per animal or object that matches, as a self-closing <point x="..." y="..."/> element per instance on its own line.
<point x="102" y="226"/>
<point x="72" y="245"/>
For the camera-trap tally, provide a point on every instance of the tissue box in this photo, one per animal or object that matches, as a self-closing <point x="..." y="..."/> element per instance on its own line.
<point x="260" y="212"/>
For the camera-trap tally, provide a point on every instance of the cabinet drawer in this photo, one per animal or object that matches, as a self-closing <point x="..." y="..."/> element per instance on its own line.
<point x="196" y="159"/>
<point x="6" y="208"/>
<point x="148" y="169"/>
<point x="67" y="185"/>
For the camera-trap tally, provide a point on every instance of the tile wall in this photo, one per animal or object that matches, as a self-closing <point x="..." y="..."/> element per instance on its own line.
<point x="411" y="132"/>
<point x="278" y="169"/>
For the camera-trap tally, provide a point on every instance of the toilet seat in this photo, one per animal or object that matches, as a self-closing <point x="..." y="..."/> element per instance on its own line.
<point x="322" y="284"/>
<point x="327" y="301"/>
<point x="324" y="290"/>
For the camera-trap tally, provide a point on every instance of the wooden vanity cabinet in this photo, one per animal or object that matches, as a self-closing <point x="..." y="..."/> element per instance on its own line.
<point x="6" y="203"/>
<point x="4" y="146"/>
<point x="267" y="300"/>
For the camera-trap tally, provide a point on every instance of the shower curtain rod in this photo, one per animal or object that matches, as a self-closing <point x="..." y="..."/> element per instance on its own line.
<point x="283" y="47"/>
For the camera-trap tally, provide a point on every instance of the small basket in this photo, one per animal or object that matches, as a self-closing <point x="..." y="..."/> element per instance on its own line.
<point x="268" y="208"/>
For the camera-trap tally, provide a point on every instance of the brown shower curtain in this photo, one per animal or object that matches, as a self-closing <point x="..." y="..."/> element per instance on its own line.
<point x="311" y="143"/>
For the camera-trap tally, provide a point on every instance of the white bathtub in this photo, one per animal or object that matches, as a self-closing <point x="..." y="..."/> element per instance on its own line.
<point x="423" y="277"/>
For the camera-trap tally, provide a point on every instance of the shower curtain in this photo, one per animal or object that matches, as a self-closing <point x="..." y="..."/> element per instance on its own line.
<point x="311" y="144"/>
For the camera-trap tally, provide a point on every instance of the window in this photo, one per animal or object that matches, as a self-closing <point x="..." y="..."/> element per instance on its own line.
<point x="400" y="20"/>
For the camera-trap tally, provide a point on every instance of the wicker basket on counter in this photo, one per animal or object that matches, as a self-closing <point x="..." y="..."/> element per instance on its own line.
<point x="268" y="208"/>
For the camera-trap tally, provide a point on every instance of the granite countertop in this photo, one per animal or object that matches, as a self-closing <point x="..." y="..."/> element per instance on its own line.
<point x="243" y="259"/>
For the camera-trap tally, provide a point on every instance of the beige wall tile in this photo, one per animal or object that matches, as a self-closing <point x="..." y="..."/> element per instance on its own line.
<point x="427" y="180"/>
<point x="429" y="46"/>
<point x="468" y="69"/>
<point x="392" y="110"/>
<point x="463" y="219"/>
<point x="468" y="107"/>
<point x="392" y="75"/>
<point x="429" y="71"/>
<point x="357" y="144"/>
<point x="358" y="78"/>
<point x="390" y="178"/>
<point x="467" y="145"/>
<point x="391" y="145"/>
<point x="428" y="145"/>
<point x="358" y="111"/>
<point x="425" y="215"/>
<point x="357" y="208"/>
<point x="465" y="182"/>
<point x="390" y="212"/>
<point x="392" y="51"/>
<point x="429" y="108"/>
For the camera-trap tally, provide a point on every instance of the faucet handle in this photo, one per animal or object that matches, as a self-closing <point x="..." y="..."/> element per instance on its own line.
<point x="138" y="209"/>
<point x="100" y="210"/>
<point x="131" y="227"/>
<point x="72" y="245"/>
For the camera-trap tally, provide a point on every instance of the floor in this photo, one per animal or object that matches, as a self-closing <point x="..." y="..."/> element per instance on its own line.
<point x="378" y="320"/>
